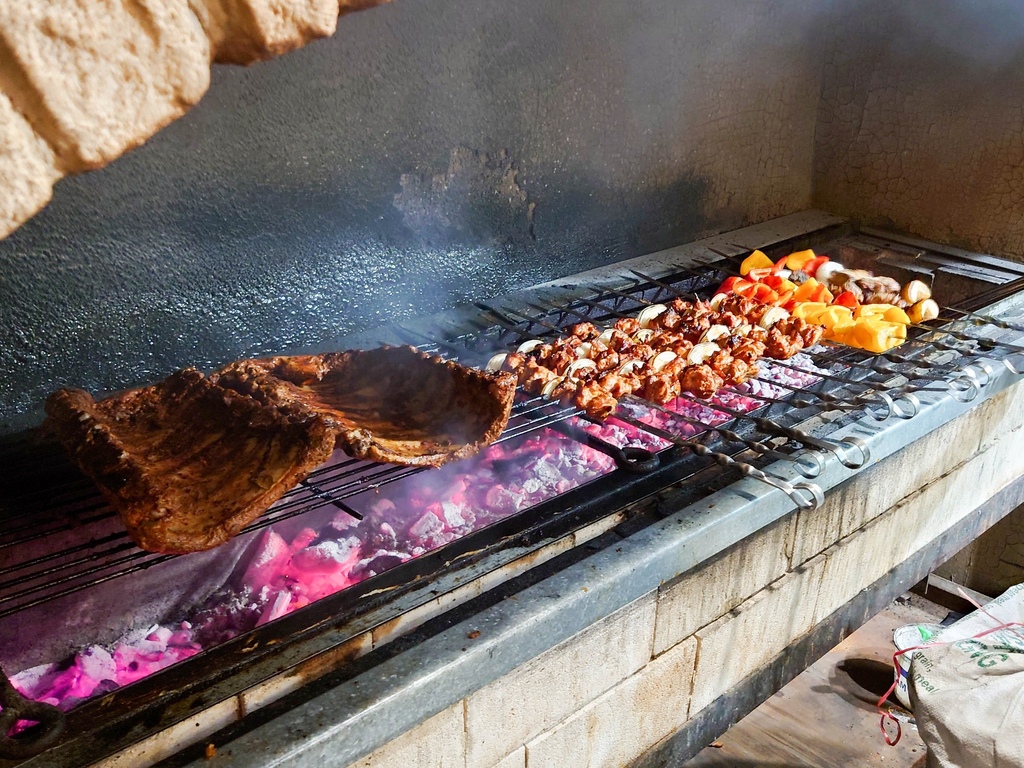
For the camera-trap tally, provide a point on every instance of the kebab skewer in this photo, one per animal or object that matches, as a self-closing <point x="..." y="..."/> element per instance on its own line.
<point x="693" y="347"/>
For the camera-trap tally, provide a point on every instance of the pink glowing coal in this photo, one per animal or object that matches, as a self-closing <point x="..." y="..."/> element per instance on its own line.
<point x="406" y="519"/>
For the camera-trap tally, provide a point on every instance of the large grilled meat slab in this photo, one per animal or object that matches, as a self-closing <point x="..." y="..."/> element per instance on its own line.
<point x="186" y="463"/>
<point x="189" y="462"/>
<point x="392" y="404"/>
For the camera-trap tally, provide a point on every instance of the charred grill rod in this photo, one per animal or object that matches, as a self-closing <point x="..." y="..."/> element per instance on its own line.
<point x="812" y="501"/>
<point x="811" y="470"/>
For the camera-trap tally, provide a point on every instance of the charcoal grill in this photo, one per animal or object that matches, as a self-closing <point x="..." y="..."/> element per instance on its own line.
<point x="62" y="544"/>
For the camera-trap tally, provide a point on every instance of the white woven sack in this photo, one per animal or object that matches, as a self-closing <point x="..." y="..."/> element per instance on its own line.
<point x="967" y="691"/>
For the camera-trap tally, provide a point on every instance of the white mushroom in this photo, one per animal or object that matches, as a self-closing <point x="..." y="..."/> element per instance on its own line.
<point x="825" y="272"/>
<point x="579" y="365"/>
<point x="923" y="311"/>
<point x="549" y="388"/>
<point x="915" y="291"/>
<point x="662" y="359"/>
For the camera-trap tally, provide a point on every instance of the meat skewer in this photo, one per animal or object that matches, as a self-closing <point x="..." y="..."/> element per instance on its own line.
<point x="693" y="347"/>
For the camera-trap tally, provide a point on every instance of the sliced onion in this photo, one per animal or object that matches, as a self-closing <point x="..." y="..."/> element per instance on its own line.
<point x="784" y="273"/>
<point x="549" y="388"/>
<point x="742" y="330"/>
<point x="662" y="359"/>
<point x="606" y="337"/>
<point x="643" y="335"/>
<point x="528" y="346"/>
<point x="647" y="314"/>
<point x="584" y="350"/>
<point x="629" y="366"/>
<point x="716" y="300"/>
<point x="715" y="332"/>
<point x="772" y="316"/>
<point x="496" y="362"/>
<point x="702" y="352"/>
<point x="579" y="365"/>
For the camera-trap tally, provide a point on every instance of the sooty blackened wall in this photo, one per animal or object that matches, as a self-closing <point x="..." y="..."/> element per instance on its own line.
<point x="431" y="152"/>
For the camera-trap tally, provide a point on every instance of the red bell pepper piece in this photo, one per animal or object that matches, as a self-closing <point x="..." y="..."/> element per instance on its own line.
<point x="757" y="275"/>
<point x="779" y="265"/>
<point x="785" y="300"/>
<point x="731" y="285"/>
<point x="811" y="267"/>
<point x="846" y="299"/>
<point x="764" y="294"/>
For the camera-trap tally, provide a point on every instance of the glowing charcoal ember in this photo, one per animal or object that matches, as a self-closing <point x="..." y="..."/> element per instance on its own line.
<point x="327" y="557"/>
<point x="272" y="556"/>
<point x="277" y="608"/>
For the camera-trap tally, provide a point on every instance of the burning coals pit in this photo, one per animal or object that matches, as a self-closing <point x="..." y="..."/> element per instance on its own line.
<point x="290" y="566"/>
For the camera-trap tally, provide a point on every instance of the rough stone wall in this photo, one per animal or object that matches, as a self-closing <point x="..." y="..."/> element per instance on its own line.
<point x="431" y="152"/>
<point x="921" y="120"/>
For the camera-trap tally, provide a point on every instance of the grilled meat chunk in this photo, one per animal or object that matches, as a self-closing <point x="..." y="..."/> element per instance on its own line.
<point x="186" y="463"/>
<point x="392" y="404"/>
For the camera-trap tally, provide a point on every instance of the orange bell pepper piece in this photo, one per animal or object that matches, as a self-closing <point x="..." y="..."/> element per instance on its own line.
<point x="756" y="260"/>
<point x="796" y="260"/>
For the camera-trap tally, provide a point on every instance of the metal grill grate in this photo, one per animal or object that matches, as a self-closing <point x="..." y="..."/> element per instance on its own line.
<point x="52" y="501"/>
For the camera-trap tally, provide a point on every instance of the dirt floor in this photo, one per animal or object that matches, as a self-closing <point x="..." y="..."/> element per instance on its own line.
<point x="826" y="717"/>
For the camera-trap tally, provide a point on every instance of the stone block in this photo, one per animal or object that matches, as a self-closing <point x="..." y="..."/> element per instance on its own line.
<point x="541" y="693"/>
<point x="703" y="594"/>
<point x="748" y="637"/>
<point x="880" y="487"/>
<point x="625" y="721"/>
<point x="439" y="742"/>
<point x="515" y="759"/>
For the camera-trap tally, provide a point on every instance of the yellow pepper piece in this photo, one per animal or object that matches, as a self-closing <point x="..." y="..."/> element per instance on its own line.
<point x="897" y="315"/>
<point x="798" y="259"/>
<point x="876" y="335"/>
<point x="786" y="286"/>
<point x="808" y="310"/>
<point x="756" y="260"/>
<point x="871" y="310"/>
<point x="835" y="315"/>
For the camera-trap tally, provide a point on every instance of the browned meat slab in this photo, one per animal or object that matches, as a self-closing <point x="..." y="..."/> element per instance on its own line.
<point x="392" y="404"/>
<point x="186" y="463"/>
<point x="191" y="461"/>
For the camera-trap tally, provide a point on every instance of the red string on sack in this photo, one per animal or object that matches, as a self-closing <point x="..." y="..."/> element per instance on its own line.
<point x="892" y="741"/>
